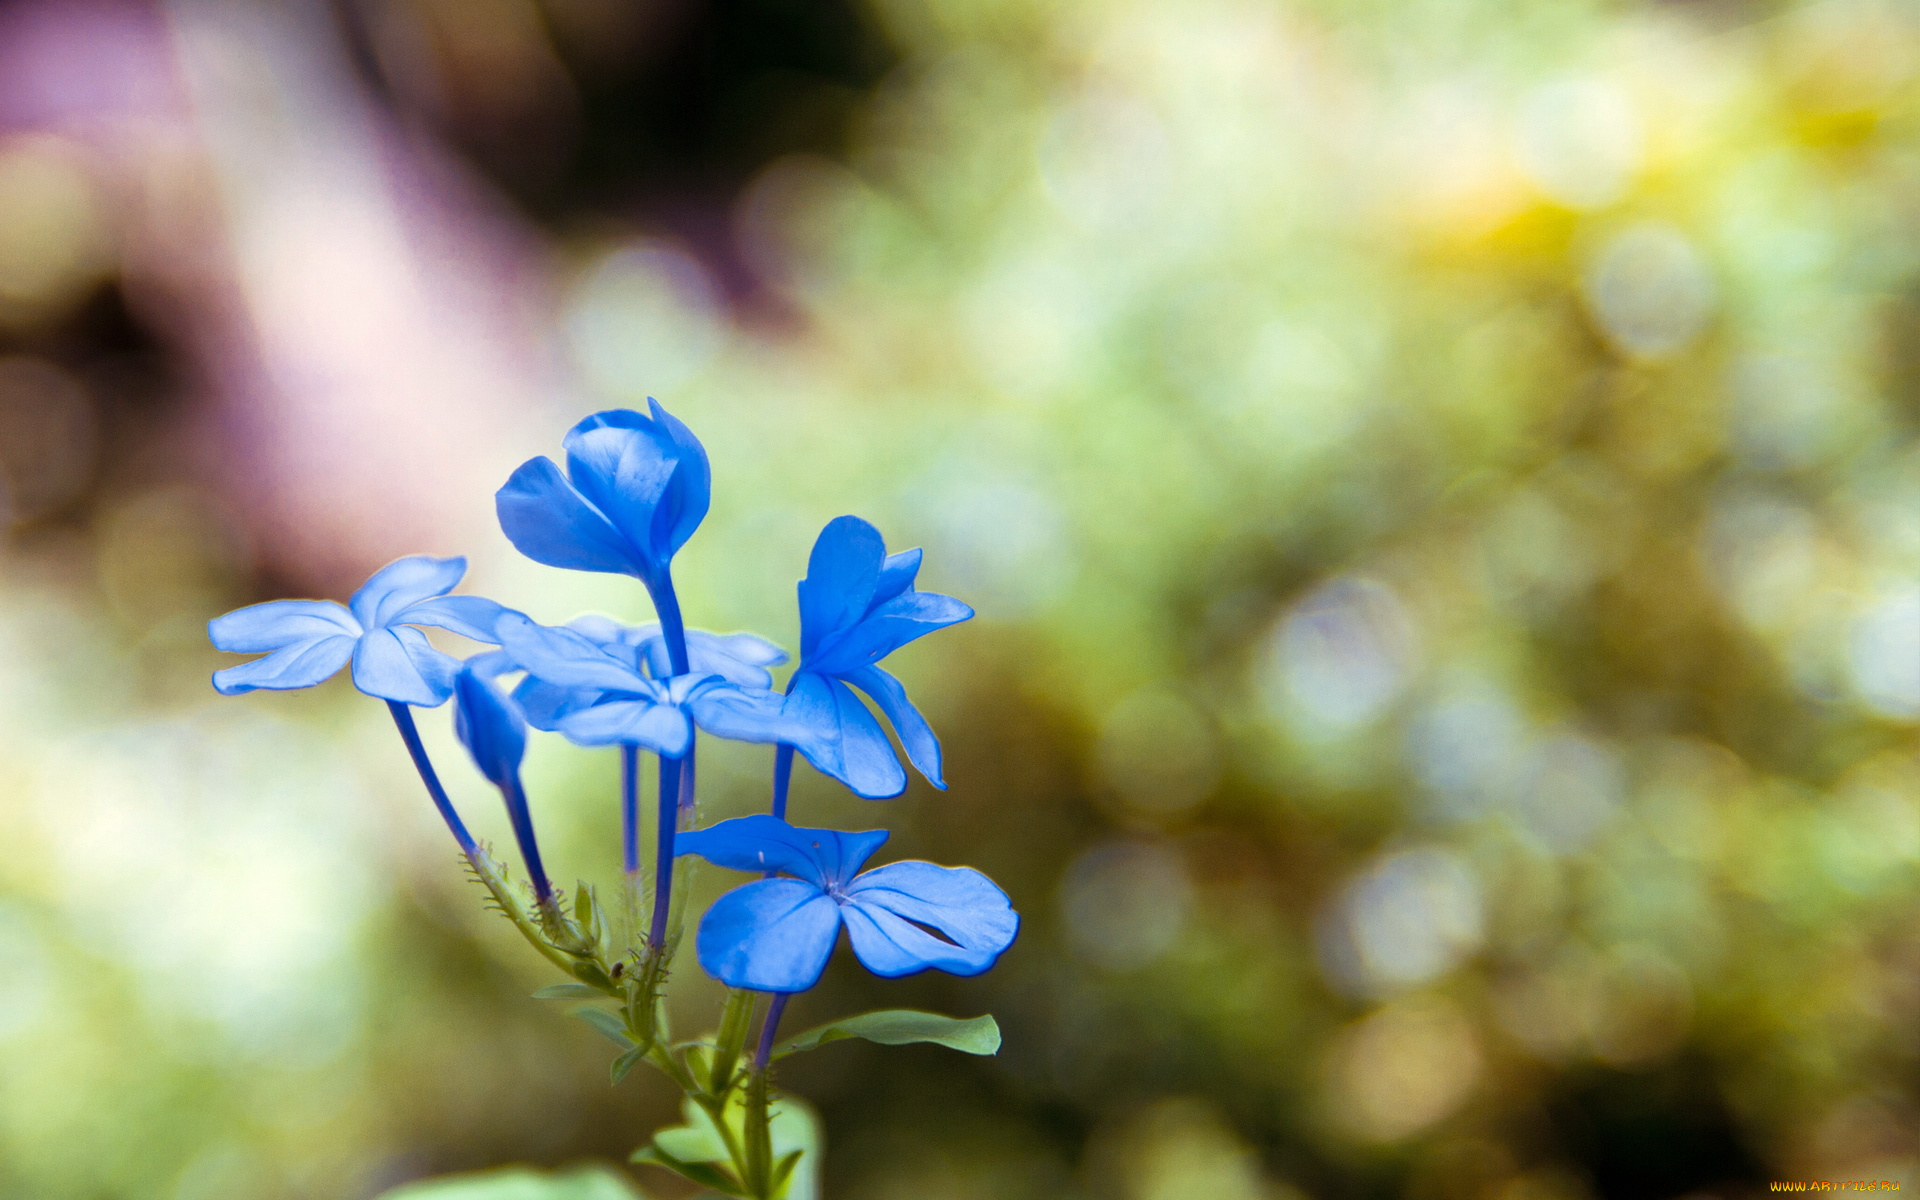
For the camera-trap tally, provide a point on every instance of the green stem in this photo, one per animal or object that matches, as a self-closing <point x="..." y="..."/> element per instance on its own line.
<point x="731" y="1041"/>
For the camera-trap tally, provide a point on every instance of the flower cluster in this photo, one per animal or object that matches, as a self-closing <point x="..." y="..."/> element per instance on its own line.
<point x="634" y="490"/>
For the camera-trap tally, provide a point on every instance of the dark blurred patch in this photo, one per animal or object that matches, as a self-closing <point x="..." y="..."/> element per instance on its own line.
<point x="584" y="108"/>
<point x="1663" y="1133"/>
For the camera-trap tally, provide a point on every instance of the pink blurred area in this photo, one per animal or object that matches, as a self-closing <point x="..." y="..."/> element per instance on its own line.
<point x="346" y="311"/>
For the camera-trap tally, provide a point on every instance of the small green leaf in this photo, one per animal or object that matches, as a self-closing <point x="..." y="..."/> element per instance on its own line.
<point x="518" y="1183"/>
<point x="704" y="1174"/>
<point x="901" y="1026"/>
<point x="569" y="991"/>
<point x="783" y="1171"/>
<point x="626" y="1062"/>
<point x="610" y="1026"/>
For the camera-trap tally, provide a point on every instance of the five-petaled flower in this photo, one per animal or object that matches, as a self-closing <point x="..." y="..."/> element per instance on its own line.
<point x="738" y="658"/>
<point x="597" y="694"/>
<point x="776" y="934"/>
<point x="309" y="640"/>
<point x="858" y="605"/>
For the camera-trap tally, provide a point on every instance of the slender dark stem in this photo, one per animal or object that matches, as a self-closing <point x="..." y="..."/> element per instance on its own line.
<point x="768" y="1029"/>
<point x="663" y="853"/>
<point x="689" y="770"/>
<point x="630" y="806"/>
<point x="667" y="604"/>
<point x="403" y="717"/>
<point x="517" y="812"/>
<point x="783" y="765"/>
<point x="782" y="778"/>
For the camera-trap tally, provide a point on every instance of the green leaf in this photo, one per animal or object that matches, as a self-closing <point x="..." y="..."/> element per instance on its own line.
<point x="900" y="1026"/>
<point x="569" y="991"/>
<point x="611" y="1027"/>
<point x="783" y="1171"/>
<point x="696" y="1145"/>
<point x="704" y="1174"/>
<point x="519" y="1183"/>
<point x="626" y="1062"/>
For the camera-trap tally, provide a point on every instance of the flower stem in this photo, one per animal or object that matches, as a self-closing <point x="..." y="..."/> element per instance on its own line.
<point x="669" y="815"/>
<point x="768" y="1029"/>
<point x="666" y="603"/>
<point x="522" y="819"/>
<point x="782" y="779"/>
<point x="410" y="734"/>
<point x="689" y="772"/>
<point x="630" y="806"/>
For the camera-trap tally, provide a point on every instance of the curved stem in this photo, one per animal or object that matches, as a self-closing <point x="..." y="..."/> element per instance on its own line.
<point x="666" y="603"/>
<point x="768" y="1029"/>
<point x="410" y="734"/>
<point x="669" y="815"/>
<point x="517" y="812"/>
<point x="630" y="806"/>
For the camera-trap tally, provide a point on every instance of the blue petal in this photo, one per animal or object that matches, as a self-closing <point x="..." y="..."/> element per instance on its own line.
<point x="886" y="629"/>
<point x="773" y="935"/>
<point x="402" y="583"/>
<point x="490" y="728"/>
<point x="545" y="704"/>
<point x="491" y="664"/>
<point x="549" y="522"/>
<point x="888" y="905"/>
<point x="841" y="574"/>
<point x="923" y="749"/>
<point x="299" y="665"/>
<point x="277" y="623"/>
<point x="564" y="657"/>
<point x="625" y="474"/>
<point x="840" y="737"/>
<point x="740" y="658"/>
<point x="896" y="576"/>
<point x="661" y="728"/>
<point x="822" y="857"/>
<point x="692" y="486"/>
<point x="399" y="664"/>
<point x="744" y="714"/>
<point x="468" y="616"/>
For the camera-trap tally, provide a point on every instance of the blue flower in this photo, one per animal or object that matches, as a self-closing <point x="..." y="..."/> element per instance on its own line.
<point x="494" y="733"/>
<point x="636" y="488"/>
<point x="489" y="727"/>
<point x="858" y="605"/>
<point x="597" y="695"/>
<point x="775" y="935"/>
<point x="738" y="658"/>
<point x="310" y="640"/>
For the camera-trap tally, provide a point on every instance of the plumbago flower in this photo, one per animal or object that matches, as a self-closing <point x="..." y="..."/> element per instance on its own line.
<point x="597" y="695"/>
<point x="634" y="490"/>
<point x="858" y="605"/>
<point x="310" y="640"/>
<point x="740" y="659"/>
<point x="637" y="486"/>
<point x="775" y="935"/>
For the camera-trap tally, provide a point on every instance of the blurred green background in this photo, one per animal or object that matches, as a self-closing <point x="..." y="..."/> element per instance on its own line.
<point x="1439" y="481"/>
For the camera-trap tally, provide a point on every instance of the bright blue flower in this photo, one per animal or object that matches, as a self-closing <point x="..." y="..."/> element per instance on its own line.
<point x="494" y="733"/>
<point x="738" y="658"/>
<point x="858" y="605"/>
<point x="636" y="488"/>
<point x="310" y="640"/>
<point x="597" y="695"/>
<point x="775" y="935"/>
